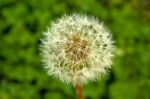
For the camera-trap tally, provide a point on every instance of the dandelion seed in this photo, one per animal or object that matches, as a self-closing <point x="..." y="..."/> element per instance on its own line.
<point x="77" y="49"/>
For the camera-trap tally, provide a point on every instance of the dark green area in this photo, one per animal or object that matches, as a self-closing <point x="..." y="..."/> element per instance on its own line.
<point x="22" y="23"/>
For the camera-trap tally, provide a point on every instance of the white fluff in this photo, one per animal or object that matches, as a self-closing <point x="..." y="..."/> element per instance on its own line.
<point x="80" y="71"/>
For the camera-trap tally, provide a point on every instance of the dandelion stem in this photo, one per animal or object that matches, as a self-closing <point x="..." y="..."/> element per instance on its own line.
<point x="79" y="92"/>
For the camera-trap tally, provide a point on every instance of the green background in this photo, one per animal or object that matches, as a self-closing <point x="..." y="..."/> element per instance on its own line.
<point x="22" y="23"/>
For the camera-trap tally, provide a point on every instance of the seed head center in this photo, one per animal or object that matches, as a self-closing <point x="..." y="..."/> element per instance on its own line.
<point x="76" y="48"/>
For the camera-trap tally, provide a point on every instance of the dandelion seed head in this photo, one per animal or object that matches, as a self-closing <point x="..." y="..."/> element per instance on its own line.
<point x="77" y="49"/>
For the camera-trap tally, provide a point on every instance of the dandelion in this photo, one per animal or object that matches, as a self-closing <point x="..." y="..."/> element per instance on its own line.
<point x="77" y="49"/>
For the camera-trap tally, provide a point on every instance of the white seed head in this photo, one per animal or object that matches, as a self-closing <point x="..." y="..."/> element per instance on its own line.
<point x="76" y="49"/>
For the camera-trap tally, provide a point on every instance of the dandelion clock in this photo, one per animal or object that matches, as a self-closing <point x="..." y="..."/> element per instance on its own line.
<point x="77" y="49"/>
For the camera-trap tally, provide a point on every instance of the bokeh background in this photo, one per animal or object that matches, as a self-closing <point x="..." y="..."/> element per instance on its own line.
<point x="22" y="23"/>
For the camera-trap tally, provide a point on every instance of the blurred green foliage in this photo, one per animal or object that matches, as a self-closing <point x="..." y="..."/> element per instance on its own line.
<point x="22" y="23"/>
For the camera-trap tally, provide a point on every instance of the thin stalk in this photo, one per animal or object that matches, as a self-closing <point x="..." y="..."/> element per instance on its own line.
<point x="79" y="92"/>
